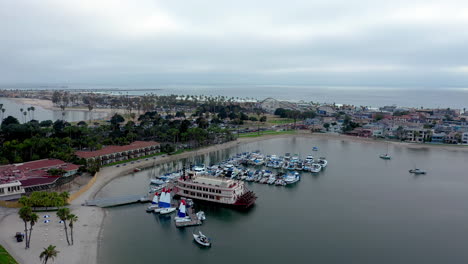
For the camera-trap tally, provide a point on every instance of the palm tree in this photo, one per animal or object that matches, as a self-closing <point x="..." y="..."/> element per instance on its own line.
<point x="21" y="110"/>
<point x="25" y="215"/>
<point x="49" y="253"/>
<point x="3" y="113"/>
<point x="72" y="219"/>
<point x="25" y="113"/>
<point x="33" y="109"/>
<point x="32" y="221"/>
<point x="63" y="214"/>
<point x="90" y="108"/>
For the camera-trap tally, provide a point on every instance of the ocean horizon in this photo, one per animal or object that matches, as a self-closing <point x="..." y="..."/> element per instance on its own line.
<point x="372" y="96"/>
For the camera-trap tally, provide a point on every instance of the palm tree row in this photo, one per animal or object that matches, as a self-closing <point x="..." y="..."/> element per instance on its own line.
<point x="65" y="215"/>
<point x="26" y="214"/>
<point x="29" y="110"/>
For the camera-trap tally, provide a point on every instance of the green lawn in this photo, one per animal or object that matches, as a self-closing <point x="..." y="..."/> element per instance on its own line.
<point x="280" y="121"/>
<point x="267" y="133"/>
<point x="130" y="160"/>
<point x="5" y="257"/>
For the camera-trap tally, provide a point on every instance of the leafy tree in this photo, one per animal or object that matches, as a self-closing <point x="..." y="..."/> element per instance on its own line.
<point x="9" y="120"/>
<point x="56" y="172"/>
<point x="46" y="123"/>
<point x="49" y="253"/>
<point x="117" y="119"/>
<point x="263" y="119"/>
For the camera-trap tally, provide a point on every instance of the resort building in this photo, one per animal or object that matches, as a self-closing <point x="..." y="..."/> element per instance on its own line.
<point x="418" y="135"/>
<point x="438" y="137"/>
<point x="16" y="179"/>
<point x="110" y="154"/>
<point x="11" y="191"/>
<point x="465" y="138"/>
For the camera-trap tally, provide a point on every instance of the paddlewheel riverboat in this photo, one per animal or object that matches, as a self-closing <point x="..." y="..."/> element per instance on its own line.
<point x="219" y="190"/>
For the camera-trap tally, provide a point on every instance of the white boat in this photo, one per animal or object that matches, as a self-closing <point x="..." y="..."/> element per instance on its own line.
<point x="323" y="162"/>
<point x="199" y="168"/>
<point x="292" y="178"/>
<point x="280" y="182"/>
<point x="315" y="168"/>
<point x="154" y="203"/>
<point x="165" y="203"/>
<point x="271" y="180"/>
<point x="309" y="158"/>
<point x="201" y="239"/>
<point x="167" y="210"/>
<point x="201" y="215"/>
<point x="385" y="156"/>
<point x="157" y="181"/>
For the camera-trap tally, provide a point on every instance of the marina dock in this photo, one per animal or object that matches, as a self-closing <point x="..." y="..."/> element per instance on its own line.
<point x="116" y="201"/>
<point x="193" y="222"/>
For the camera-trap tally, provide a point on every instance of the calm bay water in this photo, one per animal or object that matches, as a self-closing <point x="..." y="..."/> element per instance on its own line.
<point x="361" y="209"/>
<point x="41" y="114"/>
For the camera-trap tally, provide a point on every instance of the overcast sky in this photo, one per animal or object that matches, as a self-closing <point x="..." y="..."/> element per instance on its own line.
<point x="149" y="42"/>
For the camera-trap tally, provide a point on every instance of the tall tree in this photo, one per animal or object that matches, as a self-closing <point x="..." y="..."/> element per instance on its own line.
<point x="25" y="215"/>
<point x="32" y="221"/>
<point x="71" y="220"/>
<point x="49" y="253"/>
<point x="63" y="214"/>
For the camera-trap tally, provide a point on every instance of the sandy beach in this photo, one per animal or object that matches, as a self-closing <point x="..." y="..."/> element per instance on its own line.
<point x="88" y="229"/>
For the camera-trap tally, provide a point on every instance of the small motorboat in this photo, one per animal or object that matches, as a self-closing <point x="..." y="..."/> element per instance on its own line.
<point x="417" y="171"/>
<point x="323" y="162"/>
<point x="157" y="181"/>
<point x="315" y="168"/>
<point x="291" y="178"/>
<point x="201" y="215"/>
<point x="385" y="156"/>
<point x="201" y="239"/>
<point x="167" y="210"/>
<point x="136" y="170"/>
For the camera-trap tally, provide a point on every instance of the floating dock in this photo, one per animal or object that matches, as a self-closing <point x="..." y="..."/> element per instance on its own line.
<point x="116" y="201"/>
<point x="194" y="221"/>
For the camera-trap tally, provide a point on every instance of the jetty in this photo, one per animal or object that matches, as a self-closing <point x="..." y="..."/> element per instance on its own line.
<point x="194" y="221"/>
<point x="116" y="201"/>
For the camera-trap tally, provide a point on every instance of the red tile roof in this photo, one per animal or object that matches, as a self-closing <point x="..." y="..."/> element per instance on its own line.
<point x="33" y="170"/>
<point x="114" y="149"/>
<point x="38" y="181"/>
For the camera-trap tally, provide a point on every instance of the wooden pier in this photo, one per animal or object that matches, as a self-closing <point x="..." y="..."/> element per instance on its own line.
<point x="116" y="201"/>
<point x="194" y="221"/>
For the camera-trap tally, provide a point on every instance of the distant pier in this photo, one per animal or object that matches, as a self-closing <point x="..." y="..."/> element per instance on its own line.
<point x="116" y="201"/>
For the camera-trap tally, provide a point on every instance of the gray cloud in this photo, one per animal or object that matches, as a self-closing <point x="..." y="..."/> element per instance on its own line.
<point x="337" y="42"/>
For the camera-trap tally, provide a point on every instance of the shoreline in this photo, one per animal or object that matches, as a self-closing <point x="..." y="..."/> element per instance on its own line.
<point x="90" y="226"/>
<point x="48" y="105"/>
